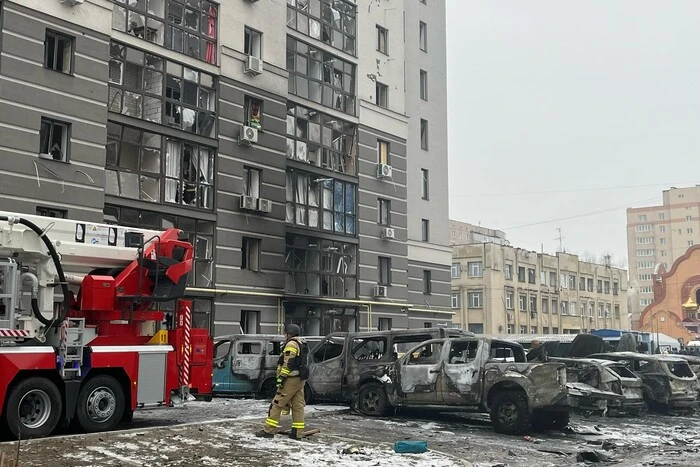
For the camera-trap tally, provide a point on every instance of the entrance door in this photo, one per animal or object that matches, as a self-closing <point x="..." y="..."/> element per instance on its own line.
<point x="419" y="372"/>
<point x="247" y="363"/>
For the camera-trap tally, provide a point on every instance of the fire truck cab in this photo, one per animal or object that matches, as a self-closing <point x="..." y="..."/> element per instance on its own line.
<point x="93" y="324"/>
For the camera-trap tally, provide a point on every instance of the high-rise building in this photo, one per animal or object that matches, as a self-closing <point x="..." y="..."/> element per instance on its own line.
<point x="659" y="234"/>
<point x="300" y="145"/>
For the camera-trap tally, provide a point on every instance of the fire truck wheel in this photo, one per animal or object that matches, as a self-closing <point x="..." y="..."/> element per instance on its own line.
<point x="33" y="408"/>
<point x="100" y="404"/>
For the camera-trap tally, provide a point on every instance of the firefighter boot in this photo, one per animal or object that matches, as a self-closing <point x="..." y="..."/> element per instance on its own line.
<point x="295" y="434"/>
<point x="264" y="434"/>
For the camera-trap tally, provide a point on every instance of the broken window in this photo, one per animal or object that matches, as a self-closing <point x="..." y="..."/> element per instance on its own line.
<point x="249" y="348"/>
<point x="369" y="349"/>
<point x="190" y="100"/>
<point x="423" y="36"/>
<point x="320" y="76"/>
<point x="221" y="349"/>
<point x="320" y="139"/>
<point x="53" y="139"/>
<point x="331" y="22"/>
<point x="427" y="354"/>
<point x="320" y="267"/>
<point x="382" y="39"/>
<point x="252" y="109"/>
<point x="321" y="203"/>
<point x="680" y="369"/>
<point x="462" y="352"/>
<point x="328" y="349"/>
<point x="250" y="322"/>
<point x="383" y="152"/>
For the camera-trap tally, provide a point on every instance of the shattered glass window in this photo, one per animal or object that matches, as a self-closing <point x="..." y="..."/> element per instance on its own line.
<point x="369" y="349"/>
<point x="428" y="354"/>
<point x="463" y="352"/>
<point x="328" y="349"/>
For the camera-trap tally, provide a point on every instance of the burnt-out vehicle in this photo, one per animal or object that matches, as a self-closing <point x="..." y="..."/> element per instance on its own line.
<point x="603" y="385"/>
<point x="247" y="363"/>
<point x="668" y="382"/>
<point x="472" y="374"/>
<point x="342" y="362"/>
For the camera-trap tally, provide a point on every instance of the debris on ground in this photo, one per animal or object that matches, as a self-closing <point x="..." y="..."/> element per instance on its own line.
<point x="411" y="447"/>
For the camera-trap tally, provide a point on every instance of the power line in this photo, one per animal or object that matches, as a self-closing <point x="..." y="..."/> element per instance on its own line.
<point x="577" y="216"/>
<point x="573" y="190"/>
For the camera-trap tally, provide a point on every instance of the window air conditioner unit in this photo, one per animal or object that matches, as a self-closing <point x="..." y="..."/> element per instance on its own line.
<point x="264" y="205"/>
<point x="249" y="203"/>
<point x="249" y="135"/>
<point x="533" y="314"/>
<point x="253" y="65"/>
<point x="379" y="291"/>
<point x="510" y="316"/>
<point x="384" y="171"/>
<point x="388" y="233"/>
<point x="72" y="2"/>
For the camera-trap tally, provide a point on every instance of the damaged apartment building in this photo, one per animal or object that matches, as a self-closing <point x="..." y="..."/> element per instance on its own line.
<point x="301" y="146"/>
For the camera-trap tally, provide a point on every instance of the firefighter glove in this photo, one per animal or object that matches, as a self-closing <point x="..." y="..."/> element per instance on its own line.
<point x="280" y="381"/>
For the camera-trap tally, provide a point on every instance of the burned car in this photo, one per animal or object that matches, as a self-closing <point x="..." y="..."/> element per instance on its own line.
<point x="668" y="382"/>
<point x="247" y="363"/>
<point x="604" y="385"/>
<point x="342" y="361"/>
<point x="473" y="374"/>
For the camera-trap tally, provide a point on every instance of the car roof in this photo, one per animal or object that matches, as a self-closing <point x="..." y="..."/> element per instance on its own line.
<point x="638" y="356"/>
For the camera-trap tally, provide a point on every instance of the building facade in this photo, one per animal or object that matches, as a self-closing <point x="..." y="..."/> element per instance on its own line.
<point x="463" y="233"/>
<point x="659" y="235"/>
<point x="498" y="289"/>
<point x="674" y="309"/>
<point x="277" y="135"/>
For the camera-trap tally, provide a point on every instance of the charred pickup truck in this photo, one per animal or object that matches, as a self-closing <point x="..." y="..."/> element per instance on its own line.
<point x="474" y="374"/>
<point x="668" y="381"/>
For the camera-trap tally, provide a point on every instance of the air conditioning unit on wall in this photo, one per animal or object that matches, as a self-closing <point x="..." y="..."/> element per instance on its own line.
<point x="253" y="65"/>
<point x="388" y="233"/>
<point x="72" y="2"/>
<point x="380" y="291"/>
<point x="249" y="135"/>
<point x="264" y="205"/>
<point x="384" y="171"/>
<point x="248" y="203"/>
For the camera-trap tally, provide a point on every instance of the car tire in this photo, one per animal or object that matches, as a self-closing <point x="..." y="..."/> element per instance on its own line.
<point x="371" y="400"/>
<point x="33" y="408"/>
<point x="268" y="389"/>
<point x="510" y="413"/>
<point x="308" y="394"/>
<point x="550" y="419"/>
<point x="100" y="404"/>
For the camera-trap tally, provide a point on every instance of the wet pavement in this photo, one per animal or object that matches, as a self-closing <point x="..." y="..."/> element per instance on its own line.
<point x="220" y="433"/>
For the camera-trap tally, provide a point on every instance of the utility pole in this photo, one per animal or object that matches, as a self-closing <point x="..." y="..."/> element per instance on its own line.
<point x="561" y="240"/>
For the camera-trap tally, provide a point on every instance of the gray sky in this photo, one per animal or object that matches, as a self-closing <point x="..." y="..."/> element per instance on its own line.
<point x="559" y="109"/>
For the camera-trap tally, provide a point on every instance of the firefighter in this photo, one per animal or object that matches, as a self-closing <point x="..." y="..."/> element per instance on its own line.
<point x="291" y="375"/>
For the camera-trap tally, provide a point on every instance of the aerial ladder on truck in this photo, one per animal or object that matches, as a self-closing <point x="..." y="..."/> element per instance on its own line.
<point x="93" y="324"/>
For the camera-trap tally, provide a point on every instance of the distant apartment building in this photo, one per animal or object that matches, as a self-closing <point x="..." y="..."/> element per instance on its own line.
<point x="462" y="233"/>
<point x="659" y="234"/>
<point x="498" y="289"/>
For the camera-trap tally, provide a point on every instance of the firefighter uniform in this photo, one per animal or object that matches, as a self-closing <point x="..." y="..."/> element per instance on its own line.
<point x="290" y="393"/>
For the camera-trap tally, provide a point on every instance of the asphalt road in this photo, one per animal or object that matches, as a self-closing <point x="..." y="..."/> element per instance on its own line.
<point x="220" y="433"/>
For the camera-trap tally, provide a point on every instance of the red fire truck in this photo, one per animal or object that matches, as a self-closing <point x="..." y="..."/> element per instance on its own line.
<point x="93" y="324"/>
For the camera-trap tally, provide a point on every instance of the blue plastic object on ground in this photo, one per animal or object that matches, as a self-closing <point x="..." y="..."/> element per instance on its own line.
<point x="410" y="447"/>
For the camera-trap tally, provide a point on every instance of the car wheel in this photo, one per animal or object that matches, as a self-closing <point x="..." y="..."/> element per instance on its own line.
<point x="308" y="394"/>
<point x="33" y="408"/>
<point x="268" y="389"/>
<point x="371" y="400"/>
<point x="100" y="404"/>
<point x="510" y="413"/>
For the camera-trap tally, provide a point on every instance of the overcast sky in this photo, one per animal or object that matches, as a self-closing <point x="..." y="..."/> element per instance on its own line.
<point x="559" y="109"/>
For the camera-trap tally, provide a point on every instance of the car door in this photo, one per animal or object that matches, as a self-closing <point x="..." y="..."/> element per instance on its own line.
<point x="461" y="382"/>
<point x="326" y="369"/>
<point x="247" y="362"/>
<point x="221" y="376"/>
<point x="419" y="372"/>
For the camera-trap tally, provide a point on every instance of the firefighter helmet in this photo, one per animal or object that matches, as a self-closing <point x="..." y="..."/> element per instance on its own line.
<point x="293" y="330"/>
